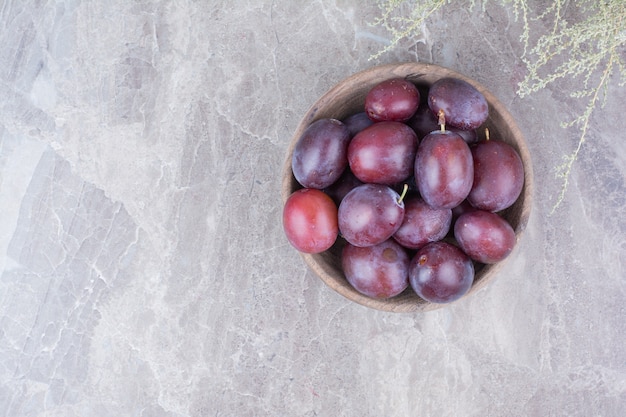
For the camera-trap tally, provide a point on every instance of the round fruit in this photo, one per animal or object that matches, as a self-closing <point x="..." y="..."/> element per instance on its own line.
<point x="441" y="273"/>
<point x="484" y="236"/>
<point x="310" y="220"/>
<point x="338" y="190"/>
<point x="444" y="169"/>
<point x="422" y="224"/>
<point x="423" y="121"/>
<point x="383" y="153"/>
<point x="357" y="122"/>
<point x="370" y="214"/>
<point x="498" y="175"/>
<point x="469" y="136"/>
<point x="463" y="105"/>
<point x="320" y="155"/>
<point x="395" y="99"/>
<point x="379" y="271"/>
<point x="462" y="208"/>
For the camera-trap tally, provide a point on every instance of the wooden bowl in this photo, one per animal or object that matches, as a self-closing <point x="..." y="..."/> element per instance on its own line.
<point x="347" y="98"/>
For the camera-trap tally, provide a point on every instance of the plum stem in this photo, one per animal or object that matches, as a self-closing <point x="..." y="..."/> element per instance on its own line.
<point x="486" y="133"/>
<point x="442" y="119"/>
<point x="404" y="191"/>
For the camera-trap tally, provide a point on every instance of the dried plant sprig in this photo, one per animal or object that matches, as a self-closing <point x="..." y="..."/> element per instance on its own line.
<point x="564" y="170"/>
<point x="521" y="12"/>
<point x="590" y="49"/>
<point x="583" y="46"/>
<point x="404" y="19"/>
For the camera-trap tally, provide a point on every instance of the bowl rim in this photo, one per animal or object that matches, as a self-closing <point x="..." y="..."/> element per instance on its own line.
<point x="414" y="71"/>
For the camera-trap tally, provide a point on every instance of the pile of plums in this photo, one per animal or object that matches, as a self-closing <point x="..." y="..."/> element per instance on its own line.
<point x="410" y="188"/>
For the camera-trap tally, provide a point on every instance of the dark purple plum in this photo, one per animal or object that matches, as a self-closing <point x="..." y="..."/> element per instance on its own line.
<point x="498" y="175"/>
<point x="395" y="100"/>
<point x="423" y="121"/>
<point x="357" y="122"/>
<point x="422" y="224"/>
<point x="321" y="153"/>
<point x="441" y="273"/>
<point x="469" y="136"/>
<point x="462" y="208"/>
<point x="444" y="169"/>
<point x="383" y="153"/>
<point x="462" y="104"/>
<point x="338" y="190"/>
<point x="484" y="236"/>
<point x="380" y="271"/>
<point x="370" y="214"/>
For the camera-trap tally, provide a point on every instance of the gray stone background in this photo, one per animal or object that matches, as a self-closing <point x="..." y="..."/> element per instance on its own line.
<point x="143" y="267"/>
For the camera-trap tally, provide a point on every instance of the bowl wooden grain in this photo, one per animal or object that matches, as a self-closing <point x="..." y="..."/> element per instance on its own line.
<point x="347" y="98"/>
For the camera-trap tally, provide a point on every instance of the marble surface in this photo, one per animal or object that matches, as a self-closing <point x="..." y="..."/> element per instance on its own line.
<point x="143" y="267"/>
